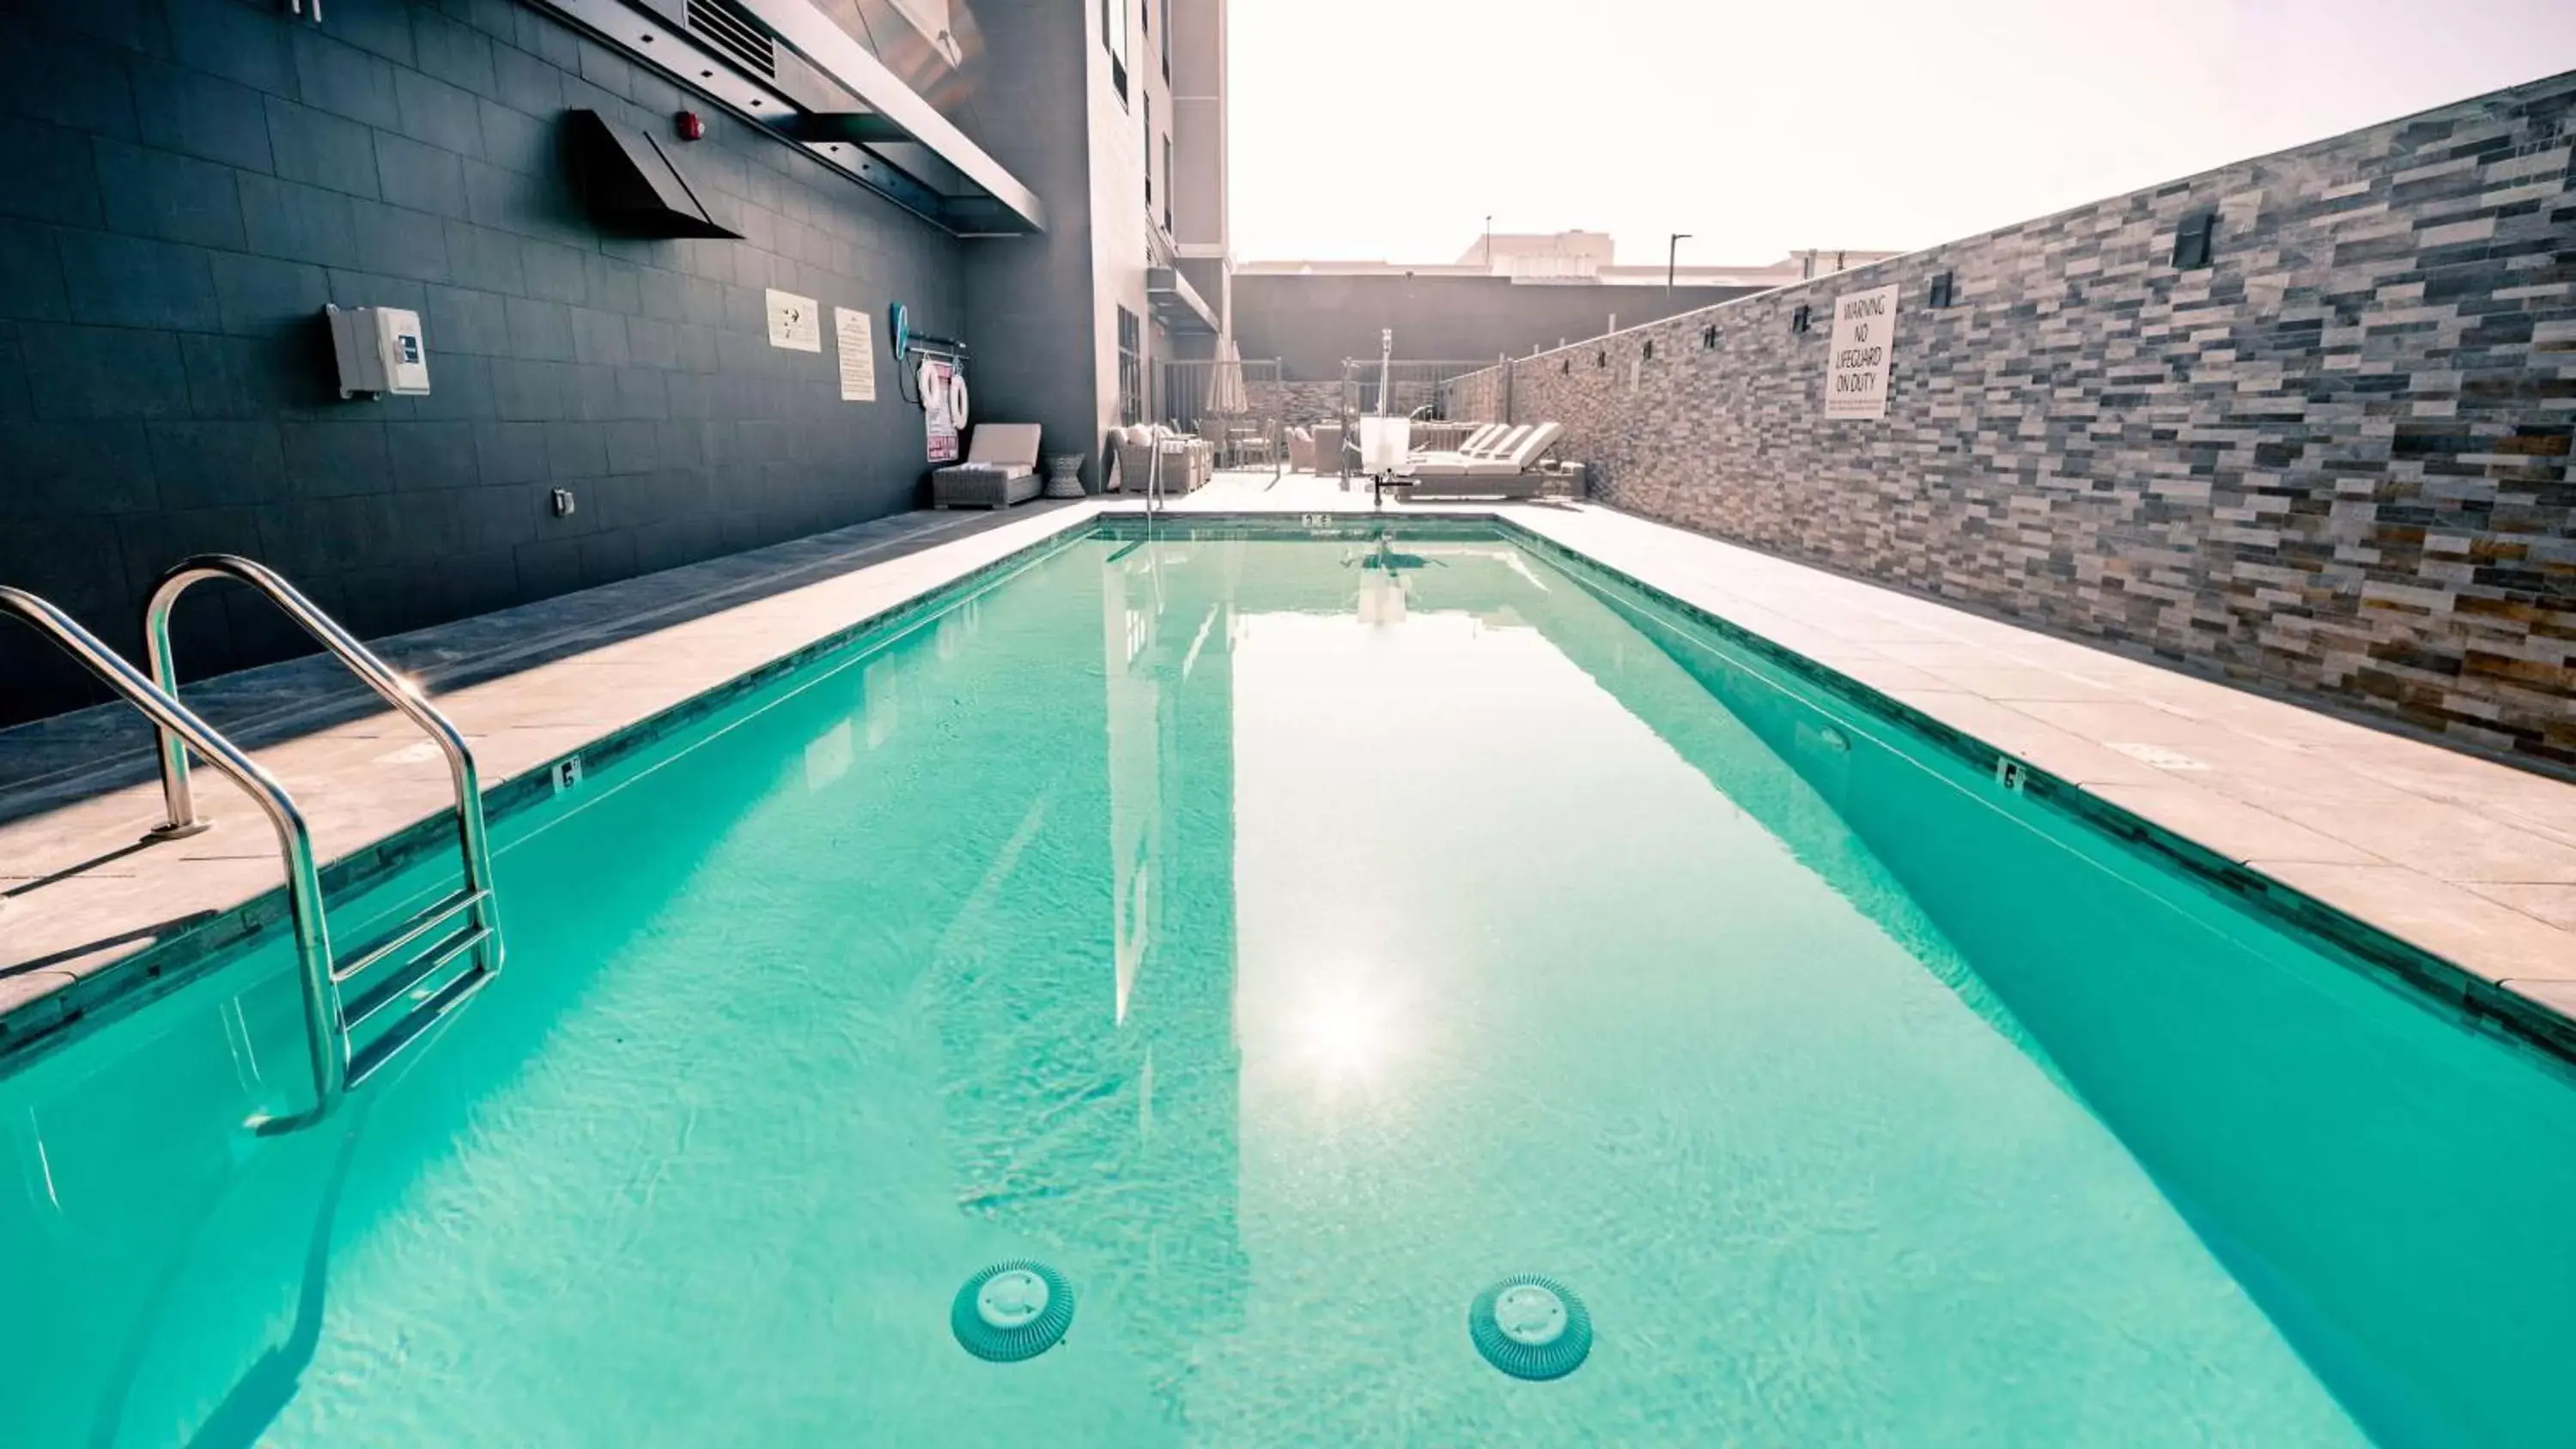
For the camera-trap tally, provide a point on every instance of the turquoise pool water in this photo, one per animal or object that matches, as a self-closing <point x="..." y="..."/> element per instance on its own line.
<point x="1286" y="939"/>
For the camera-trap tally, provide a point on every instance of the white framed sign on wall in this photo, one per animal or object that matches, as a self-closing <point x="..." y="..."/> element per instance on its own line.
<point x="1864" y="347"/>
<point x="795" y="322"/>
<point x="858" y="355"/>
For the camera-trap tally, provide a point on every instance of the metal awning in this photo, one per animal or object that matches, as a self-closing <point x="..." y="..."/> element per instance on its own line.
<point x="789" y="66"/>
<point x="1176" y="303"/>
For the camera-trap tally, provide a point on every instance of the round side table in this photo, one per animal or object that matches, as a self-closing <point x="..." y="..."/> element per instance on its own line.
<point x="1064" y="475"/>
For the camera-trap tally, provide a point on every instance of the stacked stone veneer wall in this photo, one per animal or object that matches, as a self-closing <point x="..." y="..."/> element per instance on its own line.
<point x="1478" y="395"/>
<point x="2334" y="462"/>
<point x="1300" y="403"/>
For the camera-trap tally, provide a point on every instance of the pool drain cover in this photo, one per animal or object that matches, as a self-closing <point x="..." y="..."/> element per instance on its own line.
<point x="1011" y="1311"/>
<point x="1531" y="1327"/>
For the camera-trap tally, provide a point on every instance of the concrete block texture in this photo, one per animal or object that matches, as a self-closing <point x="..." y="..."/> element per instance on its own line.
<point x="190" y="185"/>
<point x="2332" y="463"/>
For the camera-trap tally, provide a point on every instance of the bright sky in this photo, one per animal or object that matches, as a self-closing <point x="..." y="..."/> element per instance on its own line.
<point x="1759" y="128"/>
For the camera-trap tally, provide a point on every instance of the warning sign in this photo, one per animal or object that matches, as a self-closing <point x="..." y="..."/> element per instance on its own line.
<point x="1864" y="347"/>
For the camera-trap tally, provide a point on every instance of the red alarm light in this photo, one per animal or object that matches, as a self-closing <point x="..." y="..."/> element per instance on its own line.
<point x="692" y="125"/>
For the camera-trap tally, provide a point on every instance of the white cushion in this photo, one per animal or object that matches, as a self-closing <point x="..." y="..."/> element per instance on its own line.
<point x="1009" y="445"/>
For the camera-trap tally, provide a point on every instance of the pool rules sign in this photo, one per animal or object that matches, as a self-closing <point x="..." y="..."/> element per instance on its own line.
<point x="1864" y="345"/>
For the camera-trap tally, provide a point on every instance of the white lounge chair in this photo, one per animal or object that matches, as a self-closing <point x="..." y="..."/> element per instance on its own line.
<point x="1495" y="444"/>
<point x="1472" y="444"/>
<point x="1001" y="469"/>
<point x="1516" y="473"/>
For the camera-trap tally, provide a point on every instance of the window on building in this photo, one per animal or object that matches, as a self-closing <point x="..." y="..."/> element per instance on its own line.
<point x="1166" y="7"/>
<point x="1149" y="155"/>
<point x="1131" y="368"/>
<point x="1167" y="181"/>
<point x="1113" y="33"/>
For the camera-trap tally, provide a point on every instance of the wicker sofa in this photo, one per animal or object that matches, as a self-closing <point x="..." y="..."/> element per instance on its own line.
<point x="1188" y="462"/>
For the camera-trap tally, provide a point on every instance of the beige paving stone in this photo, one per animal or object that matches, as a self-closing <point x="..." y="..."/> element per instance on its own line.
<point x="2012" y="683"/>
<point x="2448" y="841"/>
<point x="2445" y="919"/>
<point x="20" y="989"/>
<point x="2069" y="756"/>
<point x="2232" y="828"/>
<point x="2558" y="996"/>
<point x="2555" y="904"/>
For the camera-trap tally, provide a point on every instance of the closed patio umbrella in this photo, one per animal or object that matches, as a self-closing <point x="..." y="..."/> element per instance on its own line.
<point x="1226" y="394"/>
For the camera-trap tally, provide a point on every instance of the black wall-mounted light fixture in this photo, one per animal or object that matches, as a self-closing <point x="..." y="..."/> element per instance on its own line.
<point x="630" y="184"/>
<point x="1650" y="349"/>
<point x="1566" y="367"/>
<point x="1708" y="338"/>
<point x="1945" y="289"/>
<point x="1802" y="319"/>
<point x="2193" y="239"/>
<point x="1601" y="358"/>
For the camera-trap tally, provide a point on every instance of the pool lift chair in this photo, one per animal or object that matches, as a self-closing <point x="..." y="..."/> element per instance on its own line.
<point x="1383" y="436"/>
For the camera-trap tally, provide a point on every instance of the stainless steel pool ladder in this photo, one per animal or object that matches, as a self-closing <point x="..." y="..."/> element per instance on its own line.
<point x="294" y="840"/>
<point x="464" y="925"/>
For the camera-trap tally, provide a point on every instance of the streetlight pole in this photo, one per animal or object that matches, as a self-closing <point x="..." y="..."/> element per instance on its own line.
<point x="1489" y="241"/>
<point x="1672" y="255"/>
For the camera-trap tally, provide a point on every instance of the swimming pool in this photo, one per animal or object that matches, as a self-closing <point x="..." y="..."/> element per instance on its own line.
<point x="1286" y="936"/>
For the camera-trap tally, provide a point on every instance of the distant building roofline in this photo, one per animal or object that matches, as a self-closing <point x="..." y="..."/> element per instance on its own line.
<point x="1796" y="267"/>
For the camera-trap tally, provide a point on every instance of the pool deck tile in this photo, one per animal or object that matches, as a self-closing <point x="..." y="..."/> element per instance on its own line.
<point x="2472" y="860"/>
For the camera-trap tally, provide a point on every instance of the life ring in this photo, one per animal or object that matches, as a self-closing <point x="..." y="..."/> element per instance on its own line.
<point x="957" y="401"/>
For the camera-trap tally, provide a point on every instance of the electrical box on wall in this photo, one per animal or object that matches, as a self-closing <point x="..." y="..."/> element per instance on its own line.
<point x="379" y="350"/>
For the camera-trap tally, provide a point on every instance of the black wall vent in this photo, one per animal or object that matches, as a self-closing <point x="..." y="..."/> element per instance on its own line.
<point x="2192" y="239"/>
<point x="735" y="31"/>
<point x="630" y="186"/>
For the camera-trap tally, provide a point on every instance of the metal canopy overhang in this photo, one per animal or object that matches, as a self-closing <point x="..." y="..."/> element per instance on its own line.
<point x="830" y="49"/>
<point x="1176" y="304"/>
<point x="973" y="196"/>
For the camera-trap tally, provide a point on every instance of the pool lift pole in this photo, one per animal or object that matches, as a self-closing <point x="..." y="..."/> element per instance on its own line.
<point x="1385" y="396"/>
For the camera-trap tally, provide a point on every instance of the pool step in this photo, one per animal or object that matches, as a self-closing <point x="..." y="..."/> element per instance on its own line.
<point x="371" y="1058"/>
<point x="412" y="972"/>
<point x="410" y="931"/>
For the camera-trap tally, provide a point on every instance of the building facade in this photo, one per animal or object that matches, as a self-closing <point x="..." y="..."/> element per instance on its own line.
<point x="1507" y="294"/>
<point x="594" y="208"/>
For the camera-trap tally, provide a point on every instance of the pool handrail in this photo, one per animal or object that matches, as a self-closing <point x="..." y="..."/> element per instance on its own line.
<point x="325" y="1017"/>
<point x="176" y="722"/>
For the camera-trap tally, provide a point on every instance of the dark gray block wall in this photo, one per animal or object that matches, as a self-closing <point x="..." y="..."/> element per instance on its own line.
<point x="1029" y="311"/>
<point x="189" y="181"/>
<point x="2334" y="463"/>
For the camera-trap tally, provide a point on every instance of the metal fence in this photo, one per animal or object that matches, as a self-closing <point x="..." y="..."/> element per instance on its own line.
<point x="1235" y="405"/>
<point x="1415" y="387"/>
